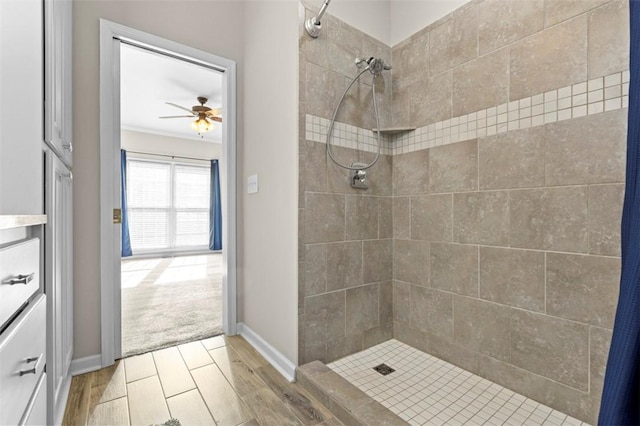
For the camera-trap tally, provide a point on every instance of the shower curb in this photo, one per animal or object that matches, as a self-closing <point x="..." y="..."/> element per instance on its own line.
<point x="348" y="403"/>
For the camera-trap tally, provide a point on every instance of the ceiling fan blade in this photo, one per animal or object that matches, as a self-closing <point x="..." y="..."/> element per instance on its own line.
<point x="215" y="111"/>
<point x="178" y="106"/>
<point x="177" y="116"/>
<point x="218" y="119"/>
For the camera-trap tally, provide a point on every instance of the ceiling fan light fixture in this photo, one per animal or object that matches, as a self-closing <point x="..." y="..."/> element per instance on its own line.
<point x="201" y="124"/>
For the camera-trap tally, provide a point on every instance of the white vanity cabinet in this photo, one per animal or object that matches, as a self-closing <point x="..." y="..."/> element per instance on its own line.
<point x="21" y="107"/>
<point x="58" y="77"/>
<point x="58" y="283"/>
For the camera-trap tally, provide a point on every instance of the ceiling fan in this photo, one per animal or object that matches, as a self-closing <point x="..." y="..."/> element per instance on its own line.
<point x="201" y="113"/>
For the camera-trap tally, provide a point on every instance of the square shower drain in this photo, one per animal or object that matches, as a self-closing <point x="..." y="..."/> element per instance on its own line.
<point x="383" y="369"/>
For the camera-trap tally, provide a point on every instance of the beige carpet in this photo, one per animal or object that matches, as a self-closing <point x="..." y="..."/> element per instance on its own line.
<point x="167" y="301"/>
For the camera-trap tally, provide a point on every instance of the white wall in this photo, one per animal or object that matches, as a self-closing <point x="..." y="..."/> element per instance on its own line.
<point x="270" y="235"/>
<point x="169" y="145"/>
<point x="390" y="21"/>
<point x="216" y="27"/>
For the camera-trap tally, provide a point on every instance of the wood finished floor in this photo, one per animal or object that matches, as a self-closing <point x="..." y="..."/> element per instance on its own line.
<point x="216" y="381"/>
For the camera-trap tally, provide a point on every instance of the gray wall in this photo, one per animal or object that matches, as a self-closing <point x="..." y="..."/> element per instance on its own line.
<point x="506" y="199"/>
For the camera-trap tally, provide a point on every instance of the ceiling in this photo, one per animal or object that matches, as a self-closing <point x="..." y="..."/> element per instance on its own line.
<point x="148" y="80"/>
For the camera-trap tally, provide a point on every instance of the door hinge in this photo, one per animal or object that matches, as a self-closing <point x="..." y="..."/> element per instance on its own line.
<point x="117" y="215"/>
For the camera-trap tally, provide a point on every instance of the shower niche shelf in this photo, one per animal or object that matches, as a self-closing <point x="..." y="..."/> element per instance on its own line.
<point x="394" y="130"/>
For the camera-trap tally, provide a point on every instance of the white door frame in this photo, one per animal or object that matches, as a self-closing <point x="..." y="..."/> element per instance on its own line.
<point x="111" y="35"/>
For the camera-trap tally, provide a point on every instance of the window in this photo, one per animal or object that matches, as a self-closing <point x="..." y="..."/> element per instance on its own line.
<point x="168" y="205"/>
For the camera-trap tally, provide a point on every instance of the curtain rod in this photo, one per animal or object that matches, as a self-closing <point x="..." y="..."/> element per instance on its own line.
<point x="170" y="156"/>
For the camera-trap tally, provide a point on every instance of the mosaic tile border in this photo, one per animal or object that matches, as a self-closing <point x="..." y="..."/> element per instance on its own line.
<point x="590" y="97"/>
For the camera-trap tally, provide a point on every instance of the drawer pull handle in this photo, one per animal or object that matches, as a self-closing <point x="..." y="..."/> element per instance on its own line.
<point x="35" y="367"/>
<point x="21" y="279"/>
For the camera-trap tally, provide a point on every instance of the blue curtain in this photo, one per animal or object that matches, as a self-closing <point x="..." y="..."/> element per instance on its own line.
<point x="126" y="238"/>
<point x="621" y="395"/>
<point x="215" y="213"/>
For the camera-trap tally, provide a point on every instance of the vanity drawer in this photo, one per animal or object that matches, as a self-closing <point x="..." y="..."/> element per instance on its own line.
<point x="19" y="276"/>
<point x="22" y="361"/>
<point x="36" y="414"/>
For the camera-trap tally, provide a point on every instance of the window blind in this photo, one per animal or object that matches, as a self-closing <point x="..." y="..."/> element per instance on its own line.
<point x="168" y="205"/>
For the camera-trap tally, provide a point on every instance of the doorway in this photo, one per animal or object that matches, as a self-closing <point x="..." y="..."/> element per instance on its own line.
<point x="114" y="39"/>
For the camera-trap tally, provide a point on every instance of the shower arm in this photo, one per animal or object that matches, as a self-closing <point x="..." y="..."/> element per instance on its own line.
<point x="313" y="25"/>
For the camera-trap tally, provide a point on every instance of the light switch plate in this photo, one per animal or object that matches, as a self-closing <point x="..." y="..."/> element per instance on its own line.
<point x="252" y="184"/>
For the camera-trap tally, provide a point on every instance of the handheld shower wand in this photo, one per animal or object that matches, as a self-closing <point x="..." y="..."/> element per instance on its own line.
<point x="313" y="25"/>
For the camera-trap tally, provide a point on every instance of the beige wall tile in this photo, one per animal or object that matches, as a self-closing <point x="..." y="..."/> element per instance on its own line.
<point x="559" y="10"/>
<point x="552" y="347"/>
<point x="482" y="326"/>
<point x="563" y="398"/>
<point x="455" y="41"/>
<point x="385" y="302"/>
<point x="432" y="311"/>
<point x="411" y="261"/>
<point x="362" y="308"/>
<point x="454" y="167"/>
<point x="385" y="217"/>
<point x="411" y="173"/>
<point x="430" y="99"/>
<point x="481" y="218"/>
<point x="344" y="346"/>
<point x="338" y="178"/>
<point x="411" y="56"/>
<point x="454" y="268"/>
<point x="380" y="176"/>
<point x="315" y="167"/>
<point x="609" y="39"/>
<point x="599" y="342"/>
<point x="377" y="260"/>
<point x="401" y="217"/>
<point x="344" y="44"/>
<point x="482" y="82"/>
<point x="344" y="265"/>
<point x="314" y="351"/>
<point x="361" y="217"/>
<point x="512" y="160"/>
<point x="377" y="335"/>
<point x="400" y="100"/>
<point x="357" y="107"/>
<point x="315" y="269"/>
<point x="590" y="149"/>
<point x="411" y="336"/>
<point x="502" y="22"/>
<point x="513" y="277"/>
<point x="560" y="51"/>
<point x="322" y="89"/>
<point x="605" y="215"/>
<point x="324" y="317"/>
<point x="431" y="218"/>
<point x="583" y="288"/>
<point x="401" y="302"/>
<point x="324" y="217"/>
<point x="550" y="219"/>
<point x="444" y="348"/>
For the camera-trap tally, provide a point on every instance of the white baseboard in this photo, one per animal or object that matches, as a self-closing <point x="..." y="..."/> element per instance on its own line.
<point x="271" y="354"/>
<point x="85" y="365"/>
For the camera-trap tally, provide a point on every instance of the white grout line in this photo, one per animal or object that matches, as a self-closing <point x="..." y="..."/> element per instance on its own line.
<point x="426" y="389"/>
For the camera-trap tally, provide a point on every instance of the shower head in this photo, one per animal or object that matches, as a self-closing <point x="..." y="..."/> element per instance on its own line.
<point x="375" y="65"/>
<point x="313" y="25"/>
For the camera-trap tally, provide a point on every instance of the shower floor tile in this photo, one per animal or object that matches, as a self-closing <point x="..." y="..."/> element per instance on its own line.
<point x="425" y="390"/>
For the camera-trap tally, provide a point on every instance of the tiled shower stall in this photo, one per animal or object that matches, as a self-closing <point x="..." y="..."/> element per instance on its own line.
<point x="489" y="235"/>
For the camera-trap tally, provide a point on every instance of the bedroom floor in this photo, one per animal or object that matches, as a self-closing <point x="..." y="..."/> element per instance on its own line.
<point x="168" y="301"/>
<point x="220" y="380"/>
